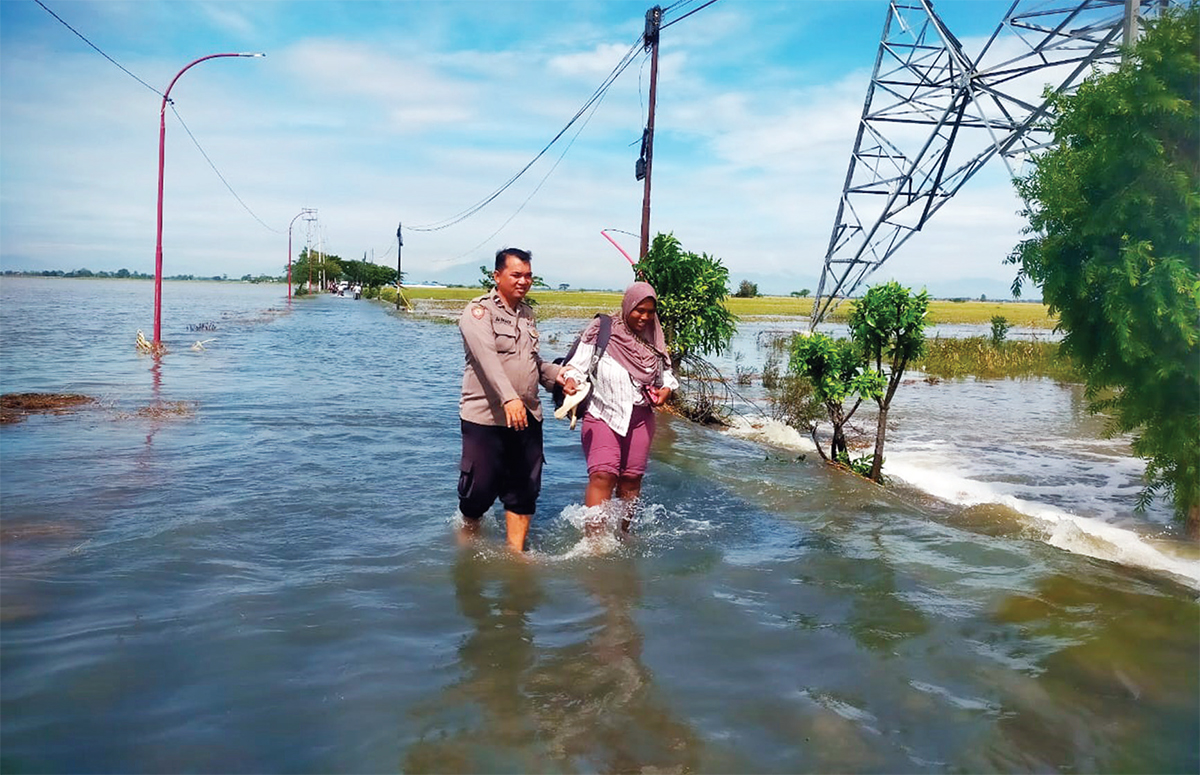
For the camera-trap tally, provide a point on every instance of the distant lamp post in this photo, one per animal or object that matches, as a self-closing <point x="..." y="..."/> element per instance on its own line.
<point x="399" y="274"/>
<point x="162" y="140"/>
<point x="305" y="211"/>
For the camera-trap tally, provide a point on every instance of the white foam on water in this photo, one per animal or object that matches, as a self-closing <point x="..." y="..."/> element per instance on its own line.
<point x="1058" y="527"/>
<point x="1079" y="475"/>
<point x="606" y="517"/>
<point x="651" y="524"/>
<point x="773" y="432"/>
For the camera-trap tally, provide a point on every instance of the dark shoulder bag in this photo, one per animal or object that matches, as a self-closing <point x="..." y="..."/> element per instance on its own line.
<point x="601" y="343"/>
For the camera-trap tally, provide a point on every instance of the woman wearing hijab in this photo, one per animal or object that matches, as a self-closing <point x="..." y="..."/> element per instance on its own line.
<point x="632" y="376"/>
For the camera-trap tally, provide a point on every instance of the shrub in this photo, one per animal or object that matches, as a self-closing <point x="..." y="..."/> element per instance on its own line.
<point x="1000" y="328"/>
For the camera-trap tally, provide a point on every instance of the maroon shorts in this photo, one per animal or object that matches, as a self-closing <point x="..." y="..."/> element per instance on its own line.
<point x="610" y="453"/>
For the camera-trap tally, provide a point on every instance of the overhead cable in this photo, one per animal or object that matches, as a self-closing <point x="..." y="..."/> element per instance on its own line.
<point x="689" y="13"/>
<point x="541" y="183"/>
<point x="219" y="175"/>
<point x="625" y="62"/>
<point x="677" y="4"/>
<point x="172" y="104"/>
<point x="93" y="45"/>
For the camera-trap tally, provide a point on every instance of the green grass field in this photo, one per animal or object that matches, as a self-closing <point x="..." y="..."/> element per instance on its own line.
<point x="582" y="304"/>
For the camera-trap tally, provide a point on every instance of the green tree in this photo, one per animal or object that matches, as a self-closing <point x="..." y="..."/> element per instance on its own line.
<point x="486" y="280"/>
<point x="747" y="290"/>
<point x="691" y="297"/>
<point x="367" y="274"/>
<point x="330" y="264"/>
<point x="802" y="293"/>
<point x="888" y="323"/>
<point x="1113" y="211"/>
<point x="837" y="372"/>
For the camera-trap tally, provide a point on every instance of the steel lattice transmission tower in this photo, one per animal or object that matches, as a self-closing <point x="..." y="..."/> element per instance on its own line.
<point x="935" y="114"/>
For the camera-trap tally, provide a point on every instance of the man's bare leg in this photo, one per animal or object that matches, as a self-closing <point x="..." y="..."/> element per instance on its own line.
<point x="517" y="527"/>
<point x="469" y="530"/>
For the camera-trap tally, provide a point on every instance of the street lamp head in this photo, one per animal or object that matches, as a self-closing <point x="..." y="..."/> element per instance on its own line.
<point x="255" y="54"/>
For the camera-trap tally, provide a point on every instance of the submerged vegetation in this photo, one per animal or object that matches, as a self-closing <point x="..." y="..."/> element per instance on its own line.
<point x="15" y="407"/>
<point x="984" y="358"/>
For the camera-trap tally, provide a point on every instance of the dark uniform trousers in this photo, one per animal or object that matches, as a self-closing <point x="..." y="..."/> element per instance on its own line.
<point x="500" y="462"/>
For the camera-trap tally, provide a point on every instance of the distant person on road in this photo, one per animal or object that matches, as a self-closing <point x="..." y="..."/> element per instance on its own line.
<point x="500" y="411"/>
<point x="632" y="377"/>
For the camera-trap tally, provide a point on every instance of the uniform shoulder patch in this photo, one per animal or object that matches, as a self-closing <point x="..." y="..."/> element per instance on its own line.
<point x="477" y="312"/>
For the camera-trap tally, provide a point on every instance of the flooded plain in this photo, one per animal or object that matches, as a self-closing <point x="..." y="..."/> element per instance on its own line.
<point x="241" y="558"/>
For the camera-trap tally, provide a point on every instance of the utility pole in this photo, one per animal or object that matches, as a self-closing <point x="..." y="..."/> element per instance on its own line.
<point x="646" y="162"/>
<point x="321" y="252"/>
<point x="309" y="220"/>
<point x="399" y="250"/>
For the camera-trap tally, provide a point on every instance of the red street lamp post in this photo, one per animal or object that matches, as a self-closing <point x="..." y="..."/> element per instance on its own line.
<point x="162" y="141"/>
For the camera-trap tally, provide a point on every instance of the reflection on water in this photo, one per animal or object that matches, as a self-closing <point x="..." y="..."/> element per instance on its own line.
<point x="1110" y="668"/>
<point x="268" y="581"/>
<point x="577" y="698"/>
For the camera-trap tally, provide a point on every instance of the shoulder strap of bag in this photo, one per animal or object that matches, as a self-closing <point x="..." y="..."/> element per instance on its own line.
<point x="602" y="337"/>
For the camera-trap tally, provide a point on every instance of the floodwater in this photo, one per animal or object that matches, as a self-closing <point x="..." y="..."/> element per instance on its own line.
<point x="242" y="559"/>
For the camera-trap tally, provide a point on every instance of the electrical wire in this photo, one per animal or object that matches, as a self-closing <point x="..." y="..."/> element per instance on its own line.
<point x="219" y="175"/>
<point x="621" y="66"/>
<point x="689" y="13"/>
<point x="592" y="102"/>
<point x="678" y="4"/>
<point x="93" y="45"/>
<point x="176" y="112"/>
<point x="542" y="182"/>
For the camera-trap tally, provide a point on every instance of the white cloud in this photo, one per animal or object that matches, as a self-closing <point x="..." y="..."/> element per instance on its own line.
<point x="222" y="15"/>
<point x="597" y="63"/>
<point x="394" y="121"/>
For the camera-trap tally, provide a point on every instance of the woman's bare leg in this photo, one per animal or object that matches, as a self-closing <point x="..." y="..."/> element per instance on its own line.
<point x="599" y="491"/>
<point x="629" y="488"/>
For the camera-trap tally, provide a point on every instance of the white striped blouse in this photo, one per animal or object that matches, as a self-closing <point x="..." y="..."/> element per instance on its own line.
<point x="614" y="392"/>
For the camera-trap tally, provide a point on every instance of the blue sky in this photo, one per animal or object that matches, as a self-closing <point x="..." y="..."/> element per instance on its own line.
<point x="375" y="113"/>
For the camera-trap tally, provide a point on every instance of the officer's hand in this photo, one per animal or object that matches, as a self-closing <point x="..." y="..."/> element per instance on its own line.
<point x="569" y="385"/>
<point x="514" y="414"/>
<point x="658" y="396"/>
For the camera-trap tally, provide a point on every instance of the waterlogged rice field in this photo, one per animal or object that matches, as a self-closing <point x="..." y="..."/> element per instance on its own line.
<point x="553" y="303"/>
<point x="269" y="581"/>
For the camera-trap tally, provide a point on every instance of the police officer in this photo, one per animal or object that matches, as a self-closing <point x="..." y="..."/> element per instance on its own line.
<point x="500" y="411"/>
